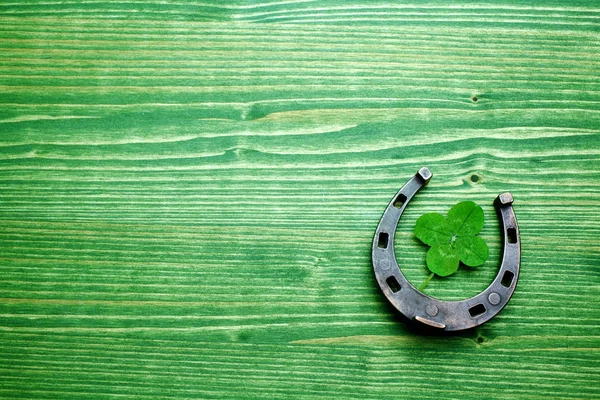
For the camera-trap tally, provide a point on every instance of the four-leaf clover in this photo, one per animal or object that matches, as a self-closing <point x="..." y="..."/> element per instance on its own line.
<point x="453" y="239"/>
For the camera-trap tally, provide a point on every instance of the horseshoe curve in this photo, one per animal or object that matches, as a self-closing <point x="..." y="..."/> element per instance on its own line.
<point x="442" y="314"/>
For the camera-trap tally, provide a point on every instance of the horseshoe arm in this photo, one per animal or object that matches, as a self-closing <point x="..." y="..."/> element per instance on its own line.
<point x="441" y="314"/>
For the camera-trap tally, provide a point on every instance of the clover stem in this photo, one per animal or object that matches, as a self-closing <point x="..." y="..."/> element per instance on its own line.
<point x="424" y="285"/>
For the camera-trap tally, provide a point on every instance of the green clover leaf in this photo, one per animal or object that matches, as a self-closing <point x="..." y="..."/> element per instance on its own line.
<point x="453" y="239"/>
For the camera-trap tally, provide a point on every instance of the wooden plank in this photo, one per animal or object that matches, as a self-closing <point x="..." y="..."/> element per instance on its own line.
<point x="189" y="192"/>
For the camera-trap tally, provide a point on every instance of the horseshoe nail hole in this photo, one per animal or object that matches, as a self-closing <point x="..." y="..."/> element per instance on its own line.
<point x="382" y="242"/>
<point x="477" y="310"/>
<point x="480" y="339"/>
<point x="393" y="284"/>
<point x="474" y="178"/>
<point x="474" y="99"/>
<point x="400" y="200"/>
<point x="511" y="235"/>
<point x="507" y="279"/>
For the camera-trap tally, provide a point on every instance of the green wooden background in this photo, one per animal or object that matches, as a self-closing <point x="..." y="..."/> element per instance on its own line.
<point x="188" y="193"/>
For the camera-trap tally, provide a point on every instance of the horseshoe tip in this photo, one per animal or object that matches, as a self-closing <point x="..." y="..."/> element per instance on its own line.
<point x="505" y="198"/>
<point x="425" y="174"/>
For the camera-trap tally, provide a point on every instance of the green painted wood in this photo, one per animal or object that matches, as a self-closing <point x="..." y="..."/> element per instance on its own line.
<point x="188" y="193"/>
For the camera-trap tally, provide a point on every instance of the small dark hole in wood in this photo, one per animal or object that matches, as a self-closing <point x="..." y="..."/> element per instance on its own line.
<point x="474" y="178"/>
<point x="475" y="99"/>
<point x="393" y="284"/>
<point x="400" y="200"/>
<point x="382" y="243"/>
<point x="507" y="279"/>
<point x="511" y="235"/>
<point x="480" y="339"/>
<point x="476" y="310"/>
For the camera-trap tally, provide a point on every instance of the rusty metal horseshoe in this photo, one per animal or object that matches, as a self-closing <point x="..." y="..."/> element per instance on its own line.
<point x="441" y="314"/>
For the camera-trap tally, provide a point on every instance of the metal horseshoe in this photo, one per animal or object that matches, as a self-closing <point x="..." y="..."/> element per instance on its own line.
<point x="441" y="314"/>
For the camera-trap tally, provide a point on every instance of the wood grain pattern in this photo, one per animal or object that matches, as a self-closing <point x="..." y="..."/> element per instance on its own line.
<point x="188" y="192"/>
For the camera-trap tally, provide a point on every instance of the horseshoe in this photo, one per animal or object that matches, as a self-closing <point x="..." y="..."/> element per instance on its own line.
<point x="441" y="314"/>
